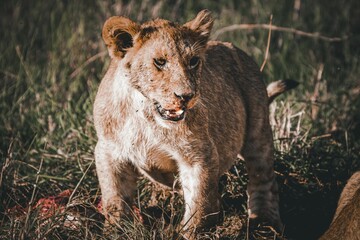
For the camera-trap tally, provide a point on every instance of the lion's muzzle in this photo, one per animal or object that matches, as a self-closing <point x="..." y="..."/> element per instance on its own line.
<point x="178" y="110"/>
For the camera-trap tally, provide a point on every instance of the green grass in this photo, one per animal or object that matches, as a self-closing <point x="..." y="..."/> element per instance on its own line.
<point x="52" y="59"/>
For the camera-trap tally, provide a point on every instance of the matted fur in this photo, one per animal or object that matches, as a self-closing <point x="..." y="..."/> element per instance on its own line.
<point x="174" y="103"/>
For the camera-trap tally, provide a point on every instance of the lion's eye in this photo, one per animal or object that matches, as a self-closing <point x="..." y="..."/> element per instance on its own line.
<point x="159" y="62"/>
<point x="194" y="62"/>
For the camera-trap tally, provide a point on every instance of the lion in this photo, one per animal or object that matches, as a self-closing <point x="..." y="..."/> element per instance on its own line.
<point x="346" y="222"/>
<point x="174" y="104"/>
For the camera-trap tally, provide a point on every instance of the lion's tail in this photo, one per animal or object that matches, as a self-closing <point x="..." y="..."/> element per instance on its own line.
<point x="276" y="88"/>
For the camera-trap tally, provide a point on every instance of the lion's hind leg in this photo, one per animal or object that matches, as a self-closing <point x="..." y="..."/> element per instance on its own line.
<point x="262" y="189"/>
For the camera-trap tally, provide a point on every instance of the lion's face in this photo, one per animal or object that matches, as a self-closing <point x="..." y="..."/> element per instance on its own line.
<point x="164" y="61"/>
<point x="167" y="71"/>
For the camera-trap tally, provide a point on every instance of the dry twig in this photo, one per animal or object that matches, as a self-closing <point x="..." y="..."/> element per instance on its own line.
<point x="267" y="46"/>
<point x="275" y="28"/>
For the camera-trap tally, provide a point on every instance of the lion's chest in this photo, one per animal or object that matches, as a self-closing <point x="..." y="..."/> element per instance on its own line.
<point x="134" y="140"/>
<point x="141" y="143"/>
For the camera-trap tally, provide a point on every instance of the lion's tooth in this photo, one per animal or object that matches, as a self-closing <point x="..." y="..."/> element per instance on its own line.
<point x="179" y="112"/>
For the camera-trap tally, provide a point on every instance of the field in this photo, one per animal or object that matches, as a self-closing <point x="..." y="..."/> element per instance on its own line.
<point x="52" y="59"/>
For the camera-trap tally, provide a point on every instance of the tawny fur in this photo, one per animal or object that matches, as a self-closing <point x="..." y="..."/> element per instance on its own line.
<point x="346" y="222"/>
<point x="172" y="104"/>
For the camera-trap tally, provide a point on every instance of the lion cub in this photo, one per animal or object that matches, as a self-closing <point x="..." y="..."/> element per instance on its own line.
<point x="173" y="103"/>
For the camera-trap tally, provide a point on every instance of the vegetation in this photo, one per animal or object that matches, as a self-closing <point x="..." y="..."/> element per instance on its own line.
<point x="52" y="59"/>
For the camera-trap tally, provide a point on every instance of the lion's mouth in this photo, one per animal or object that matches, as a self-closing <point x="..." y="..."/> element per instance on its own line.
<point x="171" y="114"/>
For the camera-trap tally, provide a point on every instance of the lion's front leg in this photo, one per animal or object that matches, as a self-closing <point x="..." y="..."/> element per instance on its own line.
<point x="200" y="187"/>
<point x="117" y="182"/>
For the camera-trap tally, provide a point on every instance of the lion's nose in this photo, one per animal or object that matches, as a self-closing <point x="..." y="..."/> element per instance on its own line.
<point x="184" y="97"/>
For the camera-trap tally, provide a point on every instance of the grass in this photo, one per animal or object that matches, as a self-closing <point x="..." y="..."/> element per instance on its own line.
<point x="52" y="59"/>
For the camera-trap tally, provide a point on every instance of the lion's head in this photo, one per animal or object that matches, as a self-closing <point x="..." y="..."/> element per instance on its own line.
<point x="163" y="59"/>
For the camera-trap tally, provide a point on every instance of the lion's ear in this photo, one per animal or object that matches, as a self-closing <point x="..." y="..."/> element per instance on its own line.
<point x="118" y="34"/>
<point x="201" y="24"/>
